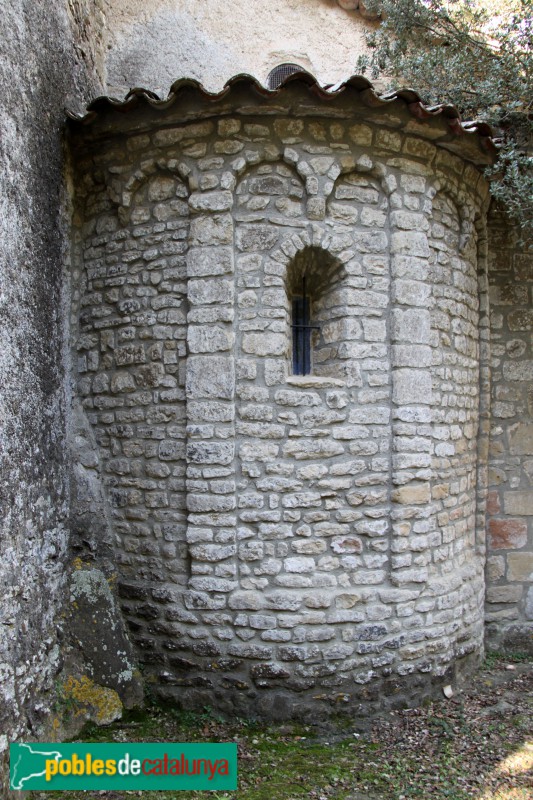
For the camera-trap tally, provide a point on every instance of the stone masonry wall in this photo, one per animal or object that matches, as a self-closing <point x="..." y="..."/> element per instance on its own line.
<point x="510" y="500"/>
<point x="314" y="536"/>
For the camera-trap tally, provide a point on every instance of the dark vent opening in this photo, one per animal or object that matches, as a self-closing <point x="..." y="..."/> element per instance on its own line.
<point x="280" y="73"/>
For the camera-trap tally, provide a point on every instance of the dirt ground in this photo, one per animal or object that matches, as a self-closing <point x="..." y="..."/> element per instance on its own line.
<point x="476" y="744"/>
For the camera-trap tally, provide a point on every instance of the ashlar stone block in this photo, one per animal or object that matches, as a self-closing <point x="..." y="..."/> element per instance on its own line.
<point x="209" y="261"/>
<point x="412" y="293"/>
<point x="211" y="201"/>
<point x="518" y="371"/>
<point x="507" y="534"/>
<point x="256" y="238"/>
<point x="520" y="566"/>
<point x="519" y="503"/>
<point x="214" y="229"/>
<point x="207" y="291"/>
<point x="504" y="594"/>
<point x="521" y="439"/>
<point x="209" y="339"/>
<point x="412" y="494"/>
<point x="411" y="326"/>
<point x="210" y="377"/>
<point x="410" y="243"/>
<point x="264" y="344"/>
<point x="411" y="387"/>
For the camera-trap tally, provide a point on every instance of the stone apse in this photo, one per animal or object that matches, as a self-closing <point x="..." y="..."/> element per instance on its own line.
<point x="292" y="535"/>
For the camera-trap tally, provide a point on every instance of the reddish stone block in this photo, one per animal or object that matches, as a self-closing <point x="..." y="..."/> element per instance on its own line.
<point x="493" y="503"/>
<point x="507" y="534"/>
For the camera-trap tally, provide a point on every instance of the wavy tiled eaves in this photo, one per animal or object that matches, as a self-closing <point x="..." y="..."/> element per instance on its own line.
<point x="137" y="98"/>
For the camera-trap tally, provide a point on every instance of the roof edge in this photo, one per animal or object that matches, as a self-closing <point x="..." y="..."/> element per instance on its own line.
<point x="414" y="103"/>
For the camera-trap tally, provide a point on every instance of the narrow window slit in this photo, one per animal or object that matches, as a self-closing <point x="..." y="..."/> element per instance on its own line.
<point x="301" y="332"/>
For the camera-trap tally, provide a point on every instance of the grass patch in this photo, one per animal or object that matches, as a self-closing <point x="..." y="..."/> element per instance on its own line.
<point x="473" y="747"/>
<point x="495" y="658"/>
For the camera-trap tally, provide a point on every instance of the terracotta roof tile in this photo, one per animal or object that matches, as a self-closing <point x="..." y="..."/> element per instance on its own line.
<point x="367" y="94"/>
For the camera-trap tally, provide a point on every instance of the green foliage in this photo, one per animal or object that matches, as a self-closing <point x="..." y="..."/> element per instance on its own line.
<point x="495" y="658"/>
<point x="478" y="55"/>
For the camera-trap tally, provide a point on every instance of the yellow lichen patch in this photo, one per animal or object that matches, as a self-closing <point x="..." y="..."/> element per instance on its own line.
<point x="78" y="563"/>
<point x="55" y="729"/>
<point x="103" y="705"/>
<point x="112" y="580"/>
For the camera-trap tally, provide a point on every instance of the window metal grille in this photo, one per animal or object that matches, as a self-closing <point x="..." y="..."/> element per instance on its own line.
<point x="301" y="333"/>
<point x="278" y="74"/>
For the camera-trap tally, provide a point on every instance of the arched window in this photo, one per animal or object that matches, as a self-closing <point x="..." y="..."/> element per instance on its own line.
<point x="313" y="277"/>
<point x="280" y="73"/>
